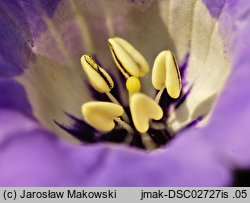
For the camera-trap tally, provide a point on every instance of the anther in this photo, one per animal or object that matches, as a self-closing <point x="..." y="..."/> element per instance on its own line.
<point x="143" y="108"/>
<point x="166" y="73"/>
<point x="101" y="115"/>
<point x="97" y="76"/>
<point x="129" y="61"/>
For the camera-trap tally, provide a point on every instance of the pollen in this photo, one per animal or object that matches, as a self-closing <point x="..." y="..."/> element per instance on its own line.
<point x="133" y="84"/>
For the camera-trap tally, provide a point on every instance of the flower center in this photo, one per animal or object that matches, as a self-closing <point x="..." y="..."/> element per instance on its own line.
<point x="143" y="123"/>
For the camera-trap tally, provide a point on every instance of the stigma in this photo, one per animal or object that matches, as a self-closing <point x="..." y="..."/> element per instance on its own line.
<point x="144" y="117"/>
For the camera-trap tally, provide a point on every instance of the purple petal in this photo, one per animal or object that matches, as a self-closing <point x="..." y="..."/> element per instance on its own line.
<point x="35" y="12"/>
<point x="17" y="34"/>
<point x="30" y="156"/>
<point x="14" y="37"/>
<point x="182" y="165"/>
<point x="229" y="127"/>
<point x="13" y="96"/>
<point x="215" y="7"/>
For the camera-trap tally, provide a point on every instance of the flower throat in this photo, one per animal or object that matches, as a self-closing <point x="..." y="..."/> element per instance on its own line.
<point x="142" y="124"/>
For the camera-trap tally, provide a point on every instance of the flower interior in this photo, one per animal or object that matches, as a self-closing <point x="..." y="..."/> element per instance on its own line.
<point x="139" y="96"/>
<point x="143" y="123"/>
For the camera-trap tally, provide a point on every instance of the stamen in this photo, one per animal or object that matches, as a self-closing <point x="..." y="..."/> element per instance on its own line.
<point x="158" y="96"/>
<point x="124" y="125"/>
<point x="143" y="108"/>
<point x="157" y="126"/>
<point x="133" y="84"/>
<point x="173" y="78"/>
<point x="101" y="115"/>
<point x="114" y="100"/>
<point x="148" y="142"/>
<point x="145" y="128"/>
<point x="97" y="76"/>
<point x="166" y="73"/>
<point x="129" y="61"/>
<point x="127" y="127"/>
<point x="159" y="71"/>
<point x="100" y="79"/>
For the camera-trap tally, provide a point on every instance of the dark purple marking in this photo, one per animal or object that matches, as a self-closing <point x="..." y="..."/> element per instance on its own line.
<point x="80" y="130"/>
<point x="97" y="96"/>
<point x="117" y="135"/>
<point x="183" y="98"/>
<point x="165" y="102"/>
<point x="215" y="7"/>
<point x="137" y="142"/>
<point x="160" y="137"/>
<point x="183" y="70"/>
<point x="192" y="123"/>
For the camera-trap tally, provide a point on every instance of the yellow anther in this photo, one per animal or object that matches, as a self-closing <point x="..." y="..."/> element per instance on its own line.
<point x="127" y="58"/>
<point x="159" y="71"/>
<point x="143" y="108"/>
<point x="166" y="72"/>
<point x="97" y="76"/>
<point x="133" y="84"/>
<point x="101" y="115"/>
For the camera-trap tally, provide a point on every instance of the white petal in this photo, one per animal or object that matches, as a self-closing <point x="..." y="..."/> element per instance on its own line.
<point x="208" y="66"/>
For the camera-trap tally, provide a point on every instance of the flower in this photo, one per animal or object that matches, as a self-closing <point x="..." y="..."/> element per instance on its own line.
<point x="41" y="79"/>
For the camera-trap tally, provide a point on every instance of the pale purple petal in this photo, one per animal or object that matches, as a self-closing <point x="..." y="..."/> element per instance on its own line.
<point x="229" y="127"/>
<point x="13" y="96"/>
<point x="180" y="165"/>
<point x="17" y="33"/>
<point x="30" y="156"/>
<point x="14" y="40"/>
